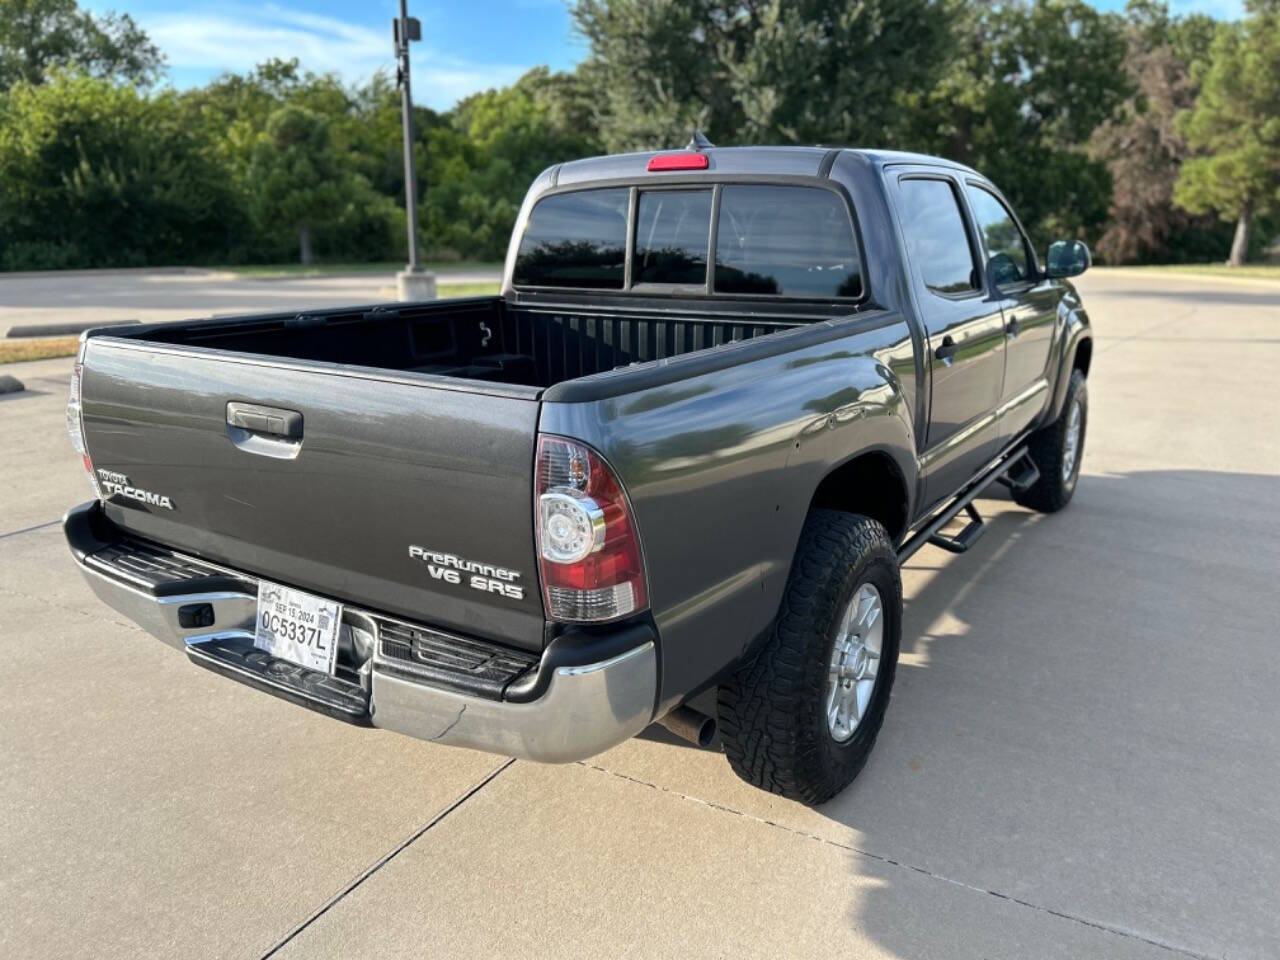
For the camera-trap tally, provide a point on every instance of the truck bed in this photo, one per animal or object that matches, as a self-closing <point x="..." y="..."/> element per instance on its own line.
<point x="437" y="456"/>
<point x="481" y="339"/>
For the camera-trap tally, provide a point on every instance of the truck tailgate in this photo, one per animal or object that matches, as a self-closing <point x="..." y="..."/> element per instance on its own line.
<point x="380" y="465"/>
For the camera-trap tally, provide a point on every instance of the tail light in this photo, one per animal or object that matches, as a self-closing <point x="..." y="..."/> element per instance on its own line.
<point x="75" y="427"/>
<point x="588" y="548"/>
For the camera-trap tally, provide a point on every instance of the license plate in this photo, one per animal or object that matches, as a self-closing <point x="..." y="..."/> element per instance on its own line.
<point x="299" y="627"/>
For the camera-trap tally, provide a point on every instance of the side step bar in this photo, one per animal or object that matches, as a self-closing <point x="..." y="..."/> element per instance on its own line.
<point x="1015" y="471"/>
<point x="1022" y="475"/>
<point x="967" y="537"/>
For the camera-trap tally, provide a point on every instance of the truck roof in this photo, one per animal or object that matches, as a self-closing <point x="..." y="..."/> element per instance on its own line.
<point x="748" y="161"/>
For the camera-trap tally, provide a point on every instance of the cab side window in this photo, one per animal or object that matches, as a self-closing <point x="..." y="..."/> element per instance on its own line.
<point x="1007" y="258"/>
<point x="937" y="240"/>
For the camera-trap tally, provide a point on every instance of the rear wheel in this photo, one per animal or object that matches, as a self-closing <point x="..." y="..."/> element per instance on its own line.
<point x="799" y="718"/>
<point x="1057" y="450"/>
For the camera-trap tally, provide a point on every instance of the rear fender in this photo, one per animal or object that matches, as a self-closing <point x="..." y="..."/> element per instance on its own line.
<point x="720" y="469"/>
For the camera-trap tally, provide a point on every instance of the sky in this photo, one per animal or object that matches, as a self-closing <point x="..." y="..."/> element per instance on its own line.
<point x="467" y="45"/>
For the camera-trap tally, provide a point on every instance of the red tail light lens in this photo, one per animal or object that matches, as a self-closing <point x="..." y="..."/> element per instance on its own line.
<point x="677" y="161"/>
<point x="588" y="548"/>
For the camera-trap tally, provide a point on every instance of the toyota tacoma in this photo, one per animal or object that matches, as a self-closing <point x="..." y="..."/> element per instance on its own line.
<point x="722" y="395"/>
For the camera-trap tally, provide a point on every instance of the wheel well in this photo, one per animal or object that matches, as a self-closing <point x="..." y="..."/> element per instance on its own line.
<point x="869" y="484"/>
<point x="1084" y="355"/>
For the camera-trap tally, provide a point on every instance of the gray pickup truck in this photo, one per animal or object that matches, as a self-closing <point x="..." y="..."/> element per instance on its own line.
<point x="721" y="397"/>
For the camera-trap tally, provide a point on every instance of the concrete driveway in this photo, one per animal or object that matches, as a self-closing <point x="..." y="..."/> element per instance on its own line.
<point x="1082" y="756"/>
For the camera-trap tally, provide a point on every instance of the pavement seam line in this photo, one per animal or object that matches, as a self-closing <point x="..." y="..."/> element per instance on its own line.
<point x="387" y="858"/>
<point x="38" y="526"/>
<point x="881" y="858"/>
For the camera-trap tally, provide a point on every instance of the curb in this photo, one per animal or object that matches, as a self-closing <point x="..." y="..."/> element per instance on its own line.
<point x="103" y="272"/>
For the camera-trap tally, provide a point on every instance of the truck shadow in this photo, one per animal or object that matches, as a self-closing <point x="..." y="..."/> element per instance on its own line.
<point x="1084" y="710"/>
<point x="1070" y="695"/>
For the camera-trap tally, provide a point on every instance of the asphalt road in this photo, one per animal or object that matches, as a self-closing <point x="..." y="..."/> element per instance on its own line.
<point x="1081" y="759"/>
<point x="107" y="296"/>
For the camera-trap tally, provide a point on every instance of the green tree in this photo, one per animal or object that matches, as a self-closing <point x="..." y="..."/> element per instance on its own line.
<point x="364" y="137"/>
<point x="1234" y="127"/>
<point x="481" y="157"/>
<point x="39" y="35"/>
<point x="298" y="181"/>
<point x="760" y="71"/>
<point x="1140" y="144"/>
<point x="97" y="174"/>
<point x="1026" y="85"/>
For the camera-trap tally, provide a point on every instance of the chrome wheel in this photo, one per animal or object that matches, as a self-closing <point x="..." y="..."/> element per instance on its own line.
<point x="1071" y="448"/>
<point x="855" y="661"/>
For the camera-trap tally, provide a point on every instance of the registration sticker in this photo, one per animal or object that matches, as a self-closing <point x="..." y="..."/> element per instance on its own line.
<point x="299" y="627"/>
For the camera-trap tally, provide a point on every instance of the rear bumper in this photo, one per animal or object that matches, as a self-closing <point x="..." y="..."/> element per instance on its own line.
<point x="587" y="692"/>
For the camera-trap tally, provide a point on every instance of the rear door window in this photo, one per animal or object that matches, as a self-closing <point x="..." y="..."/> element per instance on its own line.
<point x="937" y="240"/>
<point x="575" y="240"/>
<point x="672" y="234"/>
<point x="785" y="241"/>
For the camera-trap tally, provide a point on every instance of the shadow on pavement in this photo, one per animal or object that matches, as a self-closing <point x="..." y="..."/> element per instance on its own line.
<point x="1086" y="723"/>
<point x="1085" y="717"/>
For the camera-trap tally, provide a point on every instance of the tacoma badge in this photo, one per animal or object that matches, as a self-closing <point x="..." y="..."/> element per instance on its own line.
<point x="113" y="483"/>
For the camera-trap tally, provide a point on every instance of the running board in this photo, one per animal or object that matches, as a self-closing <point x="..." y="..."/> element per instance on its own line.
<point x="966" y="538"/>
<point x="1023" y="474"/>
<point x="1012" y="464"/>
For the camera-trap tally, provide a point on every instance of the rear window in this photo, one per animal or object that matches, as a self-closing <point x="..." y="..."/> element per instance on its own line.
<point x="575" y="240"/>
<point x="788" y="241"/>
<point x="672" y="234"/>
<point x="783" y="240"/>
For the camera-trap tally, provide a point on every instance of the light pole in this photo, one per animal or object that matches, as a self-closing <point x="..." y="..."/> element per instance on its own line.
<point x="412" y="283"/>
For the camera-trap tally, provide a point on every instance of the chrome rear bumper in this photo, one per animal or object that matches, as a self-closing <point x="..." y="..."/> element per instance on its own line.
<point x="583" y="696"/>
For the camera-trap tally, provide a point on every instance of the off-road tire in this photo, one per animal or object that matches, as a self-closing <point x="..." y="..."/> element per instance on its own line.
<point x="1047" y="448"/>
<point x="772" y="708"/>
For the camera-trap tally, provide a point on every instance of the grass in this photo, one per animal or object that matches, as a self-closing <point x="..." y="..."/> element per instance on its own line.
<point x="331" y="269"/>
<point x="1254" y="271"/>
<point x="447" y="290"/>
<point x="16" y="351"/>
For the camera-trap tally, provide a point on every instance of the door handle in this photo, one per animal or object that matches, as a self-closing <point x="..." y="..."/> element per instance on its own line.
<point x="946" y="352"/>
<point x="272" y="421"/>
<point x="1011" y="328"/>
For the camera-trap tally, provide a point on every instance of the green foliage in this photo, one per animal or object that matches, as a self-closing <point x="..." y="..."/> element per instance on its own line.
<point x="37" y="36"/>
<point x="97" y="174"/>
<point x="1235" y="124"/>
<point x="763" y="71"/>
<point x="481" y="159"/>
<point x="297" y="183"/>
<point x="1142" y="148"/>
<point x="1085" y="119"/>
<point x="1026" y="85"/>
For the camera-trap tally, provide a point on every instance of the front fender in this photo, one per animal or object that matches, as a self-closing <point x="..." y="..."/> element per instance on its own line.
<point x="1076" y="330"/>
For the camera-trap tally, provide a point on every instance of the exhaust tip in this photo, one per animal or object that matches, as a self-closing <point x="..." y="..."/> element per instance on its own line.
<point x="691" y="725"/>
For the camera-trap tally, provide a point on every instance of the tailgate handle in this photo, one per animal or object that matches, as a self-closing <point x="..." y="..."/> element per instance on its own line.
<point x="265" y="421"/>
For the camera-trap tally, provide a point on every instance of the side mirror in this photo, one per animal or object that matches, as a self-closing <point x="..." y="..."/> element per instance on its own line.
<point x="1002" y="269"/>
<point x="1067" y="258"/>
